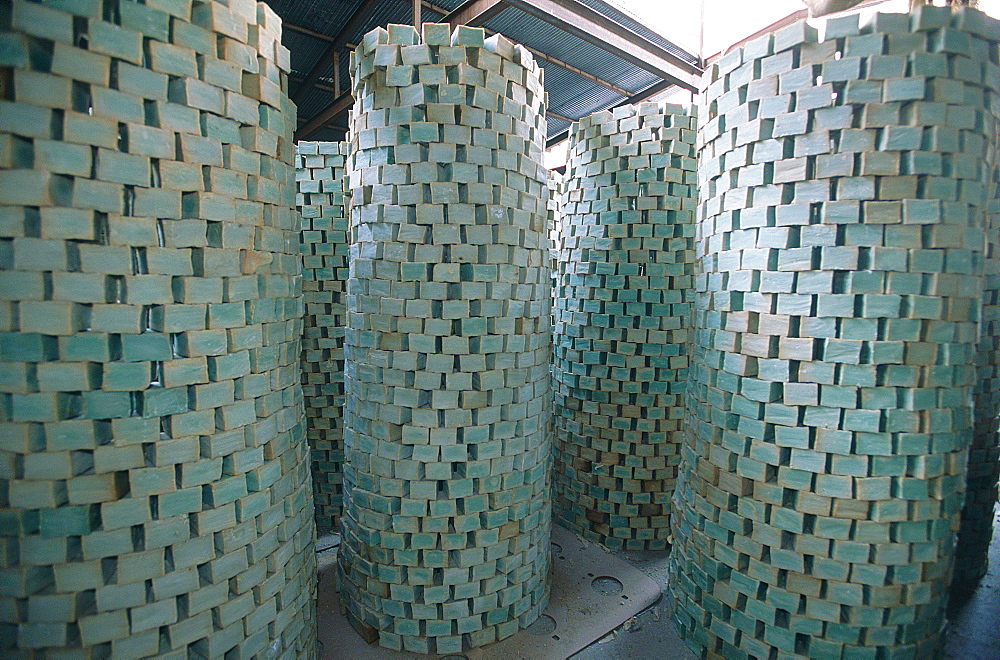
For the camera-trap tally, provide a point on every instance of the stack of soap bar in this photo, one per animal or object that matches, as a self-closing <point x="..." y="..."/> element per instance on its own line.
<point x="320" y="170"/>
<point x="155" y="496"/>
<point x="622" y="307"/>
<point x="845" y="185"/>
<point x="445" y="532"/>
<point x="976" y="531"/>
<point x="553" y="208"/>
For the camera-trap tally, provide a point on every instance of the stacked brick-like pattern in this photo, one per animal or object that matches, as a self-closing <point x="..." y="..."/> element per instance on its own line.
<point x="554" y="215"/>
<point x="841" y="241"/>
<point x="622" y="309"/>
<point x="155" y="491"/>
<point x="445" y="533"/>
<point x="321" y="171"/>
<point x="976" y="530"/>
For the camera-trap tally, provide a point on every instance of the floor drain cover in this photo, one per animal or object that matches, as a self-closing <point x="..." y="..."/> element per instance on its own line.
<point x="607" y="585"/>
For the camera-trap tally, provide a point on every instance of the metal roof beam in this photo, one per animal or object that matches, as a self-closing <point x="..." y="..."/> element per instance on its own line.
<point x="340" y="105"/>
<point x="556" y="115"/>
<point x="474" y="12"/>
<point x="579" y="20"/>
<point x="304" y="30"/>
<point x="539" y="54"/>
<point x="338" y="42"/>
<point x="545" y="57"/>
<point x="325" y="88"/>
<point x="317" y="35"/>
<point x="335" y="127"/>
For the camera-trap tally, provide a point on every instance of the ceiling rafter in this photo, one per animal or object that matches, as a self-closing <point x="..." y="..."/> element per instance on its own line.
<point x="338" y="42"/>
<point x="581" y="21"/>
<point x="340" y="104"/>
<point x="474" y="12"/>
<point x="312" y="33"/>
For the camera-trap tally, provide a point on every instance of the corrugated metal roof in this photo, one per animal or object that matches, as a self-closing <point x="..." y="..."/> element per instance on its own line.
<point x="319" y="15"/>
<point x="565" y="89"/>
<point x="570" y="95"/>
<point x="637" y="26"/>
<point x="535" y="32"/>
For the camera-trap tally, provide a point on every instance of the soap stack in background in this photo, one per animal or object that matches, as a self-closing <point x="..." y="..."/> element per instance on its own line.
<point x="976" y="530"/>
<point x="445" y="533"/>
<point x="845" y="187"/>
<point x="155" y="492"/>
<point x="320" y="172"/>
<point x="554" y="211"/>
<point x="622" y="313"/>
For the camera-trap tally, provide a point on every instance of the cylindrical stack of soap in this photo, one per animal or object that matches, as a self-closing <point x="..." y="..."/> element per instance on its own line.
<point x="622" y="307"/>
<point x="155" y="489"/>
<point x="976" y="531"/>
<point x="841" y="247"/>
<point x="321" y="171"/>
<point x="446" y="488"/>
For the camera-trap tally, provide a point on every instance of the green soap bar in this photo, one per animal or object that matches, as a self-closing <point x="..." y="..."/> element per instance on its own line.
<point x="157" y="143"/>
<point x="115" y="41"/>
<point x="151" y="481"/>
<point x="223" y="129"/>
<point x="468" y="36"/>
<point x="106" y="259"/>
<point x="184" y="372"/>
<point x="100" y="405"/>
<point x="78" y="287"/>
<point x="172" y="60"/>
<point x="116" y="318"/>
<point x="197" y="289"/>
<point x="66" y="521"/>
<point x="44" y="22"/>
<point x="180" y="502"/>
<point x="165" y="401"/>
<point x="150" y="346"/>
<point x="63" y="157"/>
<point x="103" y="627"/>
<point x="42" y="407"/>
<point x="436" y="34"/>
<point x="147" y="20"/>
<point x="905" y="89"/>
<point x="178" y="318"/>
<point x="148" y="289"/>
<point x="186" y="34"/>
<point x="226" y="315"/>
<point x="66" y="377"/>
<point x="153" y="615"/>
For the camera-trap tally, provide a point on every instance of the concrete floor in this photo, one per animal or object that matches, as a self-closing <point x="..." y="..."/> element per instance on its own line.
<point x="973" y="629"/>
<point x="974" y="623"/>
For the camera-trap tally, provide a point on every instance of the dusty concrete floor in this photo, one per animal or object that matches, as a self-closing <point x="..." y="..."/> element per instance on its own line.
<point x="651" y="634"/>
<point x="974" y="624"/>
<point x="973" y="630"/>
